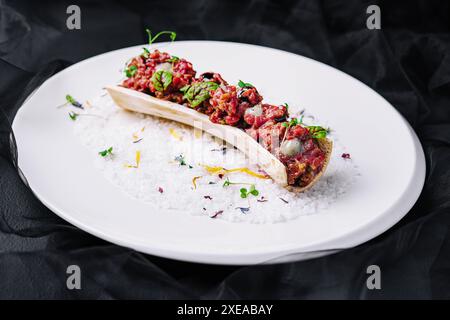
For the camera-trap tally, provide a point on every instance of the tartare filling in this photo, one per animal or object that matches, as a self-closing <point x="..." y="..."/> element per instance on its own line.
<point x="171" y="78"/>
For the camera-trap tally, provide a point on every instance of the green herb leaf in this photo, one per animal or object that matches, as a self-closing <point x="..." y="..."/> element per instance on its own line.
<point x="294" y="122"/>
<point x="243" y="84"/>
<point x="253" y="191"/>
<point x="161" y="80"/>
<point x="73" y="116"/>
<point x="70" y="99"/>
<point x="198" y="92"/>
<point x="146" y="53"/>
<point x="131" y="71"/>
<point x="185" y="88"/>
<point x="244" y="192"/>
<point x="318" y="132"/>
<point x="173" y="59"/>
<point x="106" y="152"/>
<point x="286" y="105"/>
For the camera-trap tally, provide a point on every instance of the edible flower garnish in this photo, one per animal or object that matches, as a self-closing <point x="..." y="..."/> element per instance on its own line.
<point x="181" y="160"/>
<point x="222" y="171"/>
<point x="138" y="160"/>
<point x="73" y="115"/>
<point x="160" y="190"/>
<point x="243" y="209"/>
<point x="263" y="199"/>
<point x="106" y="152"/>
<point x="73" y="102"/>
<point x="217" y="214"/>
<point x="223" y="149"/>
<point x="136" y="138"/>
<point x="243" y="84"/>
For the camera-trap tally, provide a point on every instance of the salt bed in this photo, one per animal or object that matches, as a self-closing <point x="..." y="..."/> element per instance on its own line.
<point x="165" y="184"/>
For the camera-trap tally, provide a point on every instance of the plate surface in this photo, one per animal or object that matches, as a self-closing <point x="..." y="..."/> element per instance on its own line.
<point x="62" y="175"/>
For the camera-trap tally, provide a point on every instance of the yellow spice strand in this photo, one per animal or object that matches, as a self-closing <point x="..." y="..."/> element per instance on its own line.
<point x="197" y="133"/>
<point x="138" y="161"/>
<point x="221" y="170"/>
<point x="174" y="134"/>
<point x="138" y="158"/>
<point x="194" y="180"/>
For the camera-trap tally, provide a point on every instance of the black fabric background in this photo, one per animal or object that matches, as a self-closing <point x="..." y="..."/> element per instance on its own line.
<point x="407" y="62"/>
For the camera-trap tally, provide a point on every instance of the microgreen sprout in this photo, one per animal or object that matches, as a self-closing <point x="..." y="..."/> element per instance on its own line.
<point x="73" y="102"/>
<point x="173" y="59"/>
<point x="243" y="84"/>
<point x="252" y="191"/>
<point x="172" y="35"/>
<point x="244" y="192"/>
<point x="243" y="209"/>
<point x="106" y="152"/>
<point x="318" y="132"/>
<point x="73" y="115"/>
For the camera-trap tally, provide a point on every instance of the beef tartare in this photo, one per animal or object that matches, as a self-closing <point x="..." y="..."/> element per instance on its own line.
<point x="298" y="146"/>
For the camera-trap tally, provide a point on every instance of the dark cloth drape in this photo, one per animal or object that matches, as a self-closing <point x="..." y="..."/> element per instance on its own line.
<point x="407" y="61"/>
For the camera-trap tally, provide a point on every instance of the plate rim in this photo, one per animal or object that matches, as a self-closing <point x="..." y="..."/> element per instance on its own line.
<point x="403" y="204"/>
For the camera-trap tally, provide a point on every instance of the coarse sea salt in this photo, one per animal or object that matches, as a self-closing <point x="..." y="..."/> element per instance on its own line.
<point x="161" y="180"/>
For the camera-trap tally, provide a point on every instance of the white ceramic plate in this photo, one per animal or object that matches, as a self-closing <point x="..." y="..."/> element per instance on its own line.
<point x="391" y="161"/>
